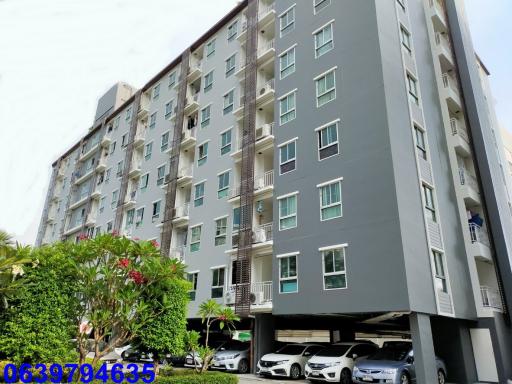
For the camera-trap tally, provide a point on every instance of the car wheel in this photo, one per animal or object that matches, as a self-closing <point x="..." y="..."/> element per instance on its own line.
<point x="346" y="376"/>
<point x="295" y="371"/>
<point x="404" y="378"/>
<point x="441" y="377"/>
<point x="243" y="366"/>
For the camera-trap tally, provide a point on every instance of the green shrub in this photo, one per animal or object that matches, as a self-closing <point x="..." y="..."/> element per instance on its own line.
<point x="194" y="378"/>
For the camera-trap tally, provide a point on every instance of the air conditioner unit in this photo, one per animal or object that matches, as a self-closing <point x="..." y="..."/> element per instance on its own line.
<point x="256" y="298"/>
<point x="230" y="297"/>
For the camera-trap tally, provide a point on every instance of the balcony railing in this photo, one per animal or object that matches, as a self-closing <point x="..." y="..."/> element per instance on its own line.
<point x="491" y="298"/>
<point x="195" y="66"/>
<point x="459" y="129"/>
<point x="442" y="40"/>
<point x="266" y="45"/>
<point x="261" y="293"/>
<point x="265" y="10"/>
<point x="264" y="131"/>
<point x="263" y="233"/>
<point x="265" y="181"/>
<point x="178" y="252"/>
<point x="450" y="82"/>
<point x="189" y="134"/>
<point x="478" y="234"/>
<point x="181" y="211"/>
<point x="468" y="179"/>
<point x="184" y="172"/>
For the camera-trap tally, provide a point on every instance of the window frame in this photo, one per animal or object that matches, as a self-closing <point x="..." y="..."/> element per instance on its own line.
<point x="195" y="277"/>
<point x="208" y="85"/>
<point x="202" y="160"/>
<point x="322" y="7"/>
<point x="289" y="66"/>
<point x="160" y="180"/>
<point x="288" y="256"/>
<point x="171" y="79"/>
<point x="220" y="287"/>
<point x="230" y="34"/>
<point x="323" y="251"/>
<point x="319" y="131"/>
<point x="169" y="109"/>
<point x="421" y="148"/>
<point x="318" y="48"/>
<point x="282" y="198"/>
<point x="152" y="120"/>
<point x="289" y="160"/>
<point x="289" y="111"/>
<point x="440" y="276"/>
<point x="226" y="109"/>
<point x="143" y="185"/>
<point x="210" y="48"/>
<point x="221" y="237"/>
<point x="331" y="205"/>
<point x="164" y="146"/>
<point x="228" y="144"/>
<point x="405" y="38"/>
<point x="139" y="221"/>
<point x="148" y="150"/>
<point x="429" y="203"/>
<point x="206" y="121"/>
<point x="223" y="191"/>
<point x="155" y="92"/>
<point x="156" y="203"/>
<point x="199" y="197"/>
<point x="412" y="88"/>
<point x="290" y="26"/>
<point x="332" y="90"/>
<point x="195" y="241"/>
<point x="230" y="70"/>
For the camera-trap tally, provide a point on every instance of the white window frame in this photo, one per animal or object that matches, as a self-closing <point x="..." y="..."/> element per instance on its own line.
<point x="230" y="70"/>
<point x="148" y="150"/>
<point x="286" y="143"/>
<point x="224" y="188"/>
<point x="287" y="196"/>
<point x="139" y="221"/>
<point x="322" y="4"/>
<point x="171" y="79"/>
<point x="115" y="199"/>
<point x="412" y="88"/>
<point x="200" y="197"/>
<point x="155" y="93"/>
<point x="288" y="112"/>
<point x="162" y="149"/>
<point x="405" y="39"/>
<point x="169" y="113"/>
<point x="289" y="66"/>
<point x="144" y="185"/>
<point x="210" y="44"/>
<point x="284" y="30"/>
<point x="231" y="105"/>
<point x="200" y="161"/>
<point x="230" y="144"/>
<point x="206" y="121"/>
<point x="223" y="286"/>
<point x="198" y="241"/>
<point x="325" y="43"/>
<point x="340" y="203"/>
<point x="221" y="235"/>
<point x="323" y="76"/>
<point x="156" y="215"/>
<point x="322" y="251"/>
<point x="160" y="181"/>
<point x="193" y="281"/>
<point x="296" y="277"/>
<point x="152" y="120"/>
<point x="319" y="138"/>
<point x="208" y="85"/>
<point x="232" y="27"/>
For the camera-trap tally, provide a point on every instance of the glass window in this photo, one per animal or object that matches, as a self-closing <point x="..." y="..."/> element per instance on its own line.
<point x="152" y="120"/>
<point x="116" y="122"/>
<point x="287" y="21"/>
<point x="330" y="201"/>
<point x="328" y="141"/>
<point x="320" y="4"/>
<point x="160" y="175"/>
<point x="102" y="204"/>
<point x="156" y="91"/>
<point x="124" y="141"/>
<point x="203" y="154"/>
<point x="229" y="102"/>
<point x="210" y="48"/>
<point x="218" y="283"/>
<point x="139" y="217"/>
<point x="440" y="273"/>
<point x="430" y="209"/>
<point x="326" y="88"/>
<point x="420" y="142"/>
<point x="195" y="238"/>
<point x="225" y="142"/>
<point x="205" y="116"/>
<point x="287" y="108"/>
<point x="164" y="142"/>
<point x="172" y="79"/>
<point x="413" y="89"/>
<point x="223" y="188"/>
<point x="236" y="219"/>
<point x="130" y="214"/>
<point x="324" y="41"/>
<point x="113" y="203"/>
<point x="230" y="65"/>
<point x="221" y="230"/>
<point x="119" y="172"/>
<point x="168" y="109"/>
<point x="334" y="269"/>
<point x="144" y="181"/>
<point x="287" y="157"/>
<point x="208" y="81"/>
<point x="192" y="278"/>
<point x="288" y="274"/>
<point x="232" y="31"/>
<point x="288" y="212"/>
<point x="405" y="37"/>
<point x="128" y="114"/>
<point x="287" y="63"/>
<point x="199" y="194"/>
<point x="112" y="147"/>
<point x="148" y="150"/>
<point x="156" y="209"/>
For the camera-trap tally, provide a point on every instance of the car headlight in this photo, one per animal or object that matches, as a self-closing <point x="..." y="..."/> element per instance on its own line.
<point x="355" y="370"/>
<point x="333" y="364"/>
<point x="281" y="362"/>
<point x="389" y="371"/>
<point x="231" y="357"/>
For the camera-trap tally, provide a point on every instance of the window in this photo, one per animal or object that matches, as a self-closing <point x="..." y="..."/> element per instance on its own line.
<point x="232" y="31"/>
<point x="230" y="65"/>
<point x="405" y="37"/>
<point x="287" y="63"/>
<point x="109" y="227"/>
<point x="208" y="81"/>
<point x="148" y="149"/>
<point x="221" y="230"/>
<point x="325" y="88"/>
<point x="222" y="191"/>
<point x="229" y="101"/>
<point x="116" y="122"/>
<point x="124" y="141"/>
<point x="139" y="217"/>
<point x="168" y="109"/>
<point x="203" y="154"/>
<point x="236" y="219"/>
<point x="128" y="114"/>
<point x="287" y="21"/>
<point x="218" y="283"/>
<point x="440" y="275"/>
<point x="330" y="200"/>
<point x="287" y="108"/>
<point x="334" y="268"/>
<point x="287" y="212"/>
<point x="144" y="181"/>
<point x="420" y="142"/>
<point x="112" y="147"/>
<point x="119" y="172"/>
<point x="130" y="214"/>
<point x="287" y="157"/>
<point x="225" y="142"/>
<point x="152" y="120"/>
<point x="102" y="204"/>
<point x="156" y="210"/>
<point x="320" y="4"/>
<point x="192" y="278"/>
<point x="160" y="178"/>
<point x="328" y="141"/>
<point x="172" y="79"/>
<point x="156" y="91"/>
<point x="199" y="194"/>
<point x="195" y="238"/>
<point x="164" y="142"/>
<point x="412" y="87"/>
<point x="205" y="116"/>
<point x="107" y="175"/>
<point x="324" y="41"/>
<point x="428" y="195"/>
<point x="288" y="274"/>
<point x="210" y="48"/>
<point x="113" y="203"/>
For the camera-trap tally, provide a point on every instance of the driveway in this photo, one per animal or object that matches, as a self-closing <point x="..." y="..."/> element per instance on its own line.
<point x="253" y="379"/>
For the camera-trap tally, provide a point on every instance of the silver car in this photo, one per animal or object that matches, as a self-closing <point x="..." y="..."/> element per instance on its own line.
<point x="393" y="363"/>
<point x="233" y="356"/>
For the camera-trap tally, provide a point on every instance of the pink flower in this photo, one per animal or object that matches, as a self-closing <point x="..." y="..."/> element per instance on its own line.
<point x="115" y="233"/>
<point x="83" y="236"/>
<point x="123" y="263"/>
<point x="136" y="239"/>
<point x="155" y="243"/>
<point x="137" y="277"/>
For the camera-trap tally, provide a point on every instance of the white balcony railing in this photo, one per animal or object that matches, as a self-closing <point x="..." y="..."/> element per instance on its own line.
<point x="459" y="129"/>
<point x="181" y="211"/>
<point x="184" y="172"/>
<point x="266" y="46"/>
<point x="266" y="10"/>
<point x="491" y="298"/>
<point x="189" y="134"/>
<point x="442" y="40"/>
<point x="178" y="252"/>
<point x="265" y="181"/>
<point x="261" y="293"/>
<point x="468" y="179"/>
<point x="478" y="234"/>
<point x="195" y="66"/>
<point x="264" y="131"/>
<point x="450" y="82"/>
<point x="263" y="233"/>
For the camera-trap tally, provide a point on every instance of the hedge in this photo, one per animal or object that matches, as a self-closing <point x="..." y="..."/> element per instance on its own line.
<point x="194" y="378"/>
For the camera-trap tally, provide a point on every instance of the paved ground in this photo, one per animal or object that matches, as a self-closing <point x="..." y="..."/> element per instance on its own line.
<point x="253" y="379"/>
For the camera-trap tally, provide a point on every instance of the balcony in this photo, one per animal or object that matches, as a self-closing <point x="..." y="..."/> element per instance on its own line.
<point x="444" y="50"/>
<point x="79" y="202"/>
<point x="262" y="240"/>
<point x="480" y="245"/>
<point x="452" y="92"/>
<point x="135" y="171"/>
<point x="491" y="298"/>
<point x="460" y="137"/>
<point x="261" y="296"/>
<point x="263" y="187"/>
<point x="184" y="175"/>
<point x="102" y="164"/>
<point x="75" y="228"/>
<point x="188" y="138"/>
<point x="83" y="175"/>
<point x="264" y="95"/>
<point x="266" y="51"/>
<point x="130" y="200"/>
<point x="61" y="172"/>
<point x="264" y="138"/>
<point x="178" y="252"/>
<point x="194" y="71"/>
<point x="470" y="189"/>
<point x="96" y="194"/>
<point x="263" y="233"/>
<point x="191" y="104"/>
<point x="140" y="137"/>
<point x="143" y="111"/>
<point x="106" y="141"/>
<point x="267" y="13"/>
<point x="180" y="215"/>
<point x="242" y="35"/>
<point x="91" y="219"/>
<point x="438" y="15"/>
<point x="87" y="153"/>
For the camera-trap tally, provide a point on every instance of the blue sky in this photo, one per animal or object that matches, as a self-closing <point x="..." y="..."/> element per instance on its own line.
<point x="59" y="56"/>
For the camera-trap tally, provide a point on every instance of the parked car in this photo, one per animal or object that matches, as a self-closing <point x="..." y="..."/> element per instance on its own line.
<point x="192" y="359"/>
<point x="136" y="355"/>
<point x="335" y="363"/>
<point x="232" y="356"/>
<point x="393" y="363"/>
<point x="289" y="361"/>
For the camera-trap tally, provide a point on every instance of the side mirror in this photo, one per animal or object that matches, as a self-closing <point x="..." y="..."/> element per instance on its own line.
<point x="354" y="356"/>
<point x="410" y="359"/>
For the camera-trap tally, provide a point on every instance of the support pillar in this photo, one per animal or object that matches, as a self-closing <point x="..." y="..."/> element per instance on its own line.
<point x="263" y="337"/>
<point x="423" y="346"/>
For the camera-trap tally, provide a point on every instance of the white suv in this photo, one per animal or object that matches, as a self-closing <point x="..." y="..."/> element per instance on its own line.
<point x="288" y="361"/>
<point x="335" y="363"/>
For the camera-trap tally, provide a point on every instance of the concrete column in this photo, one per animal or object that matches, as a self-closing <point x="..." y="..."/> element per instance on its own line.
<point x="263" y="337"/>
<point x="423" y="346"/>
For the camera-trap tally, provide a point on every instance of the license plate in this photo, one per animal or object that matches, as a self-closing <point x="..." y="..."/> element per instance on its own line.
<point x="367" y="378"/>
<point x="216" y="364"/>
<point x="315" y="373"/>
<point x="189" y="361"/>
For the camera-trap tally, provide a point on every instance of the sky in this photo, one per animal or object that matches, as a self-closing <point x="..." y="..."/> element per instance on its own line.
<point x="58" y="57"/>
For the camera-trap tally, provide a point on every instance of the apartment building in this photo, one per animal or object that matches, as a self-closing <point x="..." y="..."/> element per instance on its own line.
<point x="318" y="165"/>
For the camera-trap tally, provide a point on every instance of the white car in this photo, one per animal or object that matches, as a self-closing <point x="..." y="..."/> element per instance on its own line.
<point x="193" y="360"/>
<point x="233" y="356"/>
<point x="335" y="363"/>
<point x="288" y="361"/>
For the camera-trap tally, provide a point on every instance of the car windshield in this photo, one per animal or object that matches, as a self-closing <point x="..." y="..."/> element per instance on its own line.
<point x="391" y="352"/>
<point x="338" y="350"/>
<point x="216" y="344"/>
<point x="235" y="347"/>
<point x="292" y="349"/>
